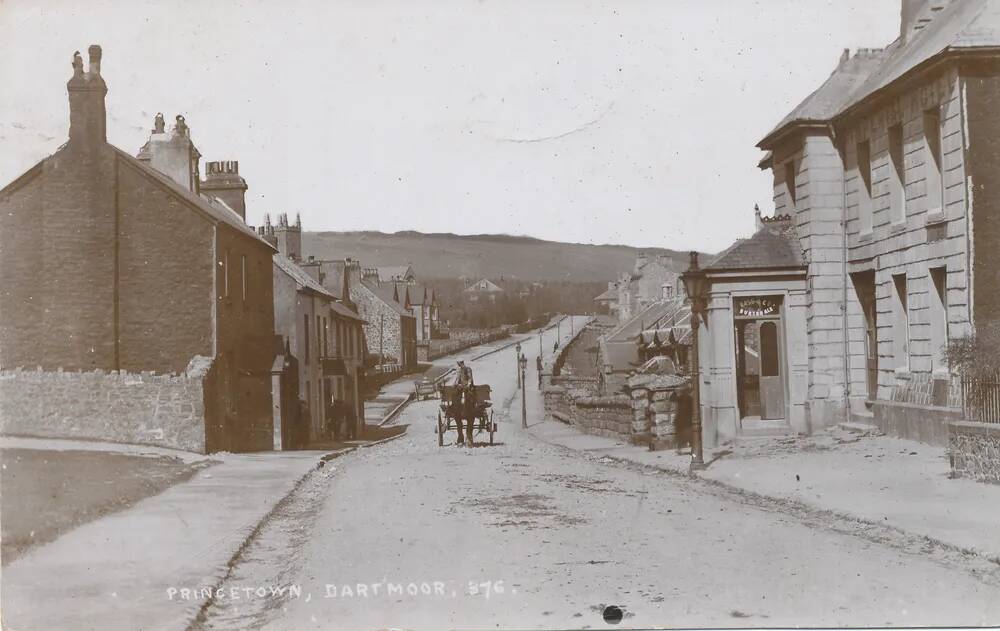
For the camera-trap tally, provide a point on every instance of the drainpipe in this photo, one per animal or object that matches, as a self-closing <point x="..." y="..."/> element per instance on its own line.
<point x="843" y="261"/>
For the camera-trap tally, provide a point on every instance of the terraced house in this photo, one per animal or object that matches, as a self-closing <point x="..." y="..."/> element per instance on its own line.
<point x="886" y="201"/>
<point x="136" y="306"/>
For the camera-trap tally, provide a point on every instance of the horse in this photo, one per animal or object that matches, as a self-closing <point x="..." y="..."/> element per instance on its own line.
<point x="463" y="407"/>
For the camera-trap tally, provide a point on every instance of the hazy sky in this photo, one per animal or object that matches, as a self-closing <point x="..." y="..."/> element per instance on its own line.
<point x="598" y="122"/>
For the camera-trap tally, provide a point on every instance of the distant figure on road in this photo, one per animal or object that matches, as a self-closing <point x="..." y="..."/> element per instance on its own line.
<point x="555" y="347"/>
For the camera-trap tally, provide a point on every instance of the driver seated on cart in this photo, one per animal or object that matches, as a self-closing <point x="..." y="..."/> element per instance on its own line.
<point x="463" y="379"/>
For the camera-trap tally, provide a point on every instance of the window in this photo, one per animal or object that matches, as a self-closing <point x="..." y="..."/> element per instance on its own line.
<point x="897" y="177"/>
<point x="243" y="275"/>
<point x="865" y="187"/>
<point x="305" y="337"/>
<point x="790" y="183"/>
<point x="225" y="274"/>
<point x="319" y="338"/>
<point x="939" y="316"/>
<point x="326" y="337"/>
<point x="901" y="323"/>
<point x="933" y="159"/>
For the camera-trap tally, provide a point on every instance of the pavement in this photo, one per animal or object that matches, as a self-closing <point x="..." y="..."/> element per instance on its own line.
<point x="877" y="479"/>
<point x="528" y="533"/>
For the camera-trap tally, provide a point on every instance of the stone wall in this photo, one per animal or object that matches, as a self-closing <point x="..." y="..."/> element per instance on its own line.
<point x="609" y="416"/>
<point x="974" y="450"/>
<point x="647" y="415"/>
<point x="147" y="409"/>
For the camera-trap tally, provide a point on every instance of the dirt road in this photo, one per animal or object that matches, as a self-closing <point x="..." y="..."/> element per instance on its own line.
<point x="528" y="535"/>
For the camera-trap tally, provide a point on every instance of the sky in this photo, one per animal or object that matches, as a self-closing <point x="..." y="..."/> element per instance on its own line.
<point x="631" y="122"/>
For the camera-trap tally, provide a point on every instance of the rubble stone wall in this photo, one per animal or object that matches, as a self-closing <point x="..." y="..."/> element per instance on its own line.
<point x="609" y="416"/>
<point x="974" y="450"/>
<point x="140" y="408"/>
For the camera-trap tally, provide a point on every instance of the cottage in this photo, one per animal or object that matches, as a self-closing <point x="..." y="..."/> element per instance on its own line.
<point x="123" y="265"/>
<point x="483" y="290"/>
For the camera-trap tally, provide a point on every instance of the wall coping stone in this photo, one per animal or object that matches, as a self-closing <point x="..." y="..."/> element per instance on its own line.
<point x="974" y="427"/>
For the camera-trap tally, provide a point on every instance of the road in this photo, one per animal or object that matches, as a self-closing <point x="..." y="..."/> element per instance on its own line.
<point x="525" y="534"/>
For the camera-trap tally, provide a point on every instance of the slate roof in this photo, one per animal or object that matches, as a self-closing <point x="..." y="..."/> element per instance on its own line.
<point x="962" y="25"/>
<point x="771" y="247"/>
<point x="385" y="295"/>
<point x="609" y="295"/>
<point x="629" y="329"/>
<point x="393" y="272"/>
<point x="211" y="206"/>
<point x="307" y="282"/>
<point x="827" y="100"/>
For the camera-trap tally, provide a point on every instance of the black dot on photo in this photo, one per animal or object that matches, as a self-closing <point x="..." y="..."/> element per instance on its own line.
<point x="613" y="614"/>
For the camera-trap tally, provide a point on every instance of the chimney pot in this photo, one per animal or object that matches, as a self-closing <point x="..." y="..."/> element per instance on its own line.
<point x="95" y="59"/>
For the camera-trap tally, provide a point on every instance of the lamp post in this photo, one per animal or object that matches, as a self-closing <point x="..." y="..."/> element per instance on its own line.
<point x="523" y="362"/>
<point x="696" y="286"/>
<point x="517" y="363"/>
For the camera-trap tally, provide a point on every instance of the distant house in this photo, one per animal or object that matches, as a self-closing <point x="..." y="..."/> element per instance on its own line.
<point x="651" y="280"/>
<point x="390" y="327"/>
<point x="128" y="266"/>
<point x="400" y="274"/>
<point x="484" y="289"/>
<point x="424" y="306"/>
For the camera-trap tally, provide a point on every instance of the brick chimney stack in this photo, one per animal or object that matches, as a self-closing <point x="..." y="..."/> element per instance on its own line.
<point x="223" y="180"/>
<point x="87" y="114"/>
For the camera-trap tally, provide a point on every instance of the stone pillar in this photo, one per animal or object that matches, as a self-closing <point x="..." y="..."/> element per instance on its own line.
<point x="640" y="414"/>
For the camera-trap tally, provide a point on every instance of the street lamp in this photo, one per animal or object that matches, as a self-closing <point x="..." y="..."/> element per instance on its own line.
<point x="517" y="361"/>
<point x="523" y="361"/>
<point x="696" y="286"/>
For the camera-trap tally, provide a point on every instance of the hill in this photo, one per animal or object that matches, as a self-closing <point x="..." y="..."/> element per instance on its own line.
<point x="443" y="255"/>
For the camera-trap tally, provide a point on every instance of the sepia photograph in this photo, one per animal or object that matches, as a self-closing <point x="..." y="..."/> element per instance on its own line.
<point x="386" y="315"/>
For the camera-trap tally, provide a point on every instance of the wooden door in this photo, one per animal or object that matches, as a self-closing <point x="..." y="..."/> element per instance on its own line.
<point x="772" y="386"/>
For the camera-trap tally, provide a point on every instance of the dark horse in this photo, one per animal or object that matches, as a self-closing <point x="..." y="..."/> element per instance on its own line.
<point x="463" y="406"/>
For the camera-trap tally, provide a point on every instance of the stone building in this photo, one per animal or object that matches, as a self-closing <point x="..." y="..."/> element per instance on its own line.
<point x="324" y="339"/>
<point x="122" y="265"/>
<point x="390" y="328"/>
<point x="651" y="280"/>
<point x="884" y="191"/>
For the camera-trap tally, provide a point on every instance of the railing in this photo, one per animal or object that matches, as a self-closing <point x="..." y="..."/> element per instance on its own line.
<point x="981" y="398"/>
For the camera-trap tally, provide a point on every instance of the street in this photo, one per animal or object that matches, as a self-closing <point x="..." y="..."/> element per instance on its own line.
<point x="524" y="534"/>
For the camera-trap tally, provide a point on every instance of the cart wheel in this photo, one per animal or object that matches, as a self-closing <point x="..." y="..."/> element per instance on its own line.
<point x="440" y="432"/>
<point x="493" y="427"/>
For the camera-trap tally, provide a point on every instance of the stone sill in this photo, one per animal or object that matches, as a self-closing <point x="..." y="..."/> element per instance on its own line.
<point x="935" y="216"/>
<point x="897" y="228"/>
<point x="974" y="427"/>
<point x="866" y="237"/>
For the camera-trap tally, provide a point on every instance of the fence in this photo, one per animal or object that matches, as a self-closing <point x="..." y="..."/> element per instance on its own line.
<point x="981" y="398"/>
